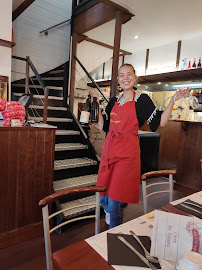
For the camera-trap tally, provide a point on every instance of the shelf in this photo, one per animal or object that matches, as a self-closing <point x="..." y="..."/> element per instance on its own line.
<point x="6" y="43"/>
<point x="191" y="75"/>
<point x="102" y="83"/>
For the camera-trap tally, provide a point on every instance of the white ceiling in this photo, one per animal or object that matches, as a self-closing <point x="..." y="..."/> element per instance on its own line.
<point x="157" y="22"/>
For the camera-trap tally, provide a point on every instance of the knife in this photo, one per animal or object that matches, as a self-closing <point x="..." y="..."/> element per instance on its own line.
<point x="123" y="240"/>
<point x="194" y="204"/>
<point x="190" y="208"/>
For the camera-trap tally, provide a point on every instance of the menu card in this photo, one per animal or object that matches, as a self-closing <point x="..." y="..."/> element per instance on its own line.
<point x="173" y="235"/>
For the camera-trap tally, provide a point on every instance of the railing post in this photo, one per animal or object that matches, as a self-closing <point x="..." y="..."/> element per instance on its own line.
<point x="27" y="76"/>
<point x="45" y="109"/>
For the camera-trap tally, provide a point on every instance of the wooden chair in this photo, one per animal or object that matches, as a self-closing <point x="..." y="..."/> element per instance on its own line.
<point x="56" y="260"/>
<point x="147" y="177"/>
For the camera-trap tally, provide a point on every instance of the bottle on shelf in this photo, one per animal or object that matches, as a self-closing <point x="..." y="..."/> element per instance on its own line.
<point x="184" y="66"/>
<point x="199" y="63"/>
<point x="85" y="112"/>
<point x="194" y="64"/>
<point x="94" y="110"/>
<point x="189" y="65"/>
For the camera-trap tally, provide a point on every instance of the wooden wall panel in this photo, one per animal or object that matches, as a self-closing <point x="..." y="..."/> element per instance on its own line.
<point x="190" y="152"/>
<point x="27" y="166"/>
<point x="12" y="180"/>
<point x="181" y="149"/>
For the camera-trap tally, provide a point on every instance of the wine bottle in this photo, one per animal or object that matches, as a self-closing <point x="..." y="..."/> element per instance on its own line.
<point x="94" y="111"/>
<point x="189" y="66"/>
<point x="184" y="67"/>
<point x="194" y="64"/>
<point x="199" y="63"/>
<point x="85" y="112"/>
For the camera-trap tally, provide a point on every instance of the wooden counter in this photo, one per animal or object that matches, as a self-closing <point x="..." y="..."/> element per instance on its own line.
<point x="181" y="148"/>
<point x="27" y="165"/>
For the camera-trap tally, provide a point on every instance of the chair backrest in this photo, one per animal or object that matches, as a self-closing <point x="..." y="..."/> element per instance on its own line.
<point x="67" y="193"/>
<point x="147" y="182"/>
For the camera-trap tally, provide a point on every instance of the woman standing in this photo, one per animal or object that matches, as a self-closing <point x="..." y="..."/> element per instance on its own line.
<point x="119" y="168"/>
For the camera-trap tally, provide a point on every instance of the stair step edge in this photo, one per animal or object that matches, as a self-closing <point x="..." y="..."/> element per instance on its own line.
<point x="67" y="132"/>
<point x="50" y="119"/>
<point x="75" y="181"/>
<point x="49" y="108"/>
<point x="39" y="86"/>
<point x="70" y="146"/>
<point x="81" y="210"/>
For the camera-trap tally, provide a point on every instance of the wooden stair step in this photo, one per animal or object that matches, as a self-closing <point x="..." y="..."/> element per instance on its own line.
<point x="49" y="108"/>
<point x="79" y="210"/>
<point x="51" y="119"/>
<point x="56" y="71"/>
<point x="73" y="163"/>
<point x="40" y="96"/>
<point x="39" y="86"/>
<point x="67" y="132"/>
<point x="70" y="146"/>
<point x="50" y="79"/>
<point x="75" y="182"/>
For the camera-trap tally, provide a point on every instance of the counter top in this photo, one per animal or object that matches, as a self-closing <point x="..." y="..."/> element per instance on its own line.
<point x="183" y="121"/>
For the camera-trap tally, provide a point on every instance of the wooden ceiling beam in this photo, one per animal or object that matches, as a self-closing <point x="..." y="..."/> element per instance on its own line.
<point x="83" y="37"/>
<point x="97" y="15"/>
<point x="114" y="5"/>
<point x="21" y="8"/>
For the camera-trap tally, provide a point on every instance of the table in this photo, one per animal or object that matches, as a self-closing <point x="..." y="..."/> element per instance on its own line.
<point x="91" y="253"/>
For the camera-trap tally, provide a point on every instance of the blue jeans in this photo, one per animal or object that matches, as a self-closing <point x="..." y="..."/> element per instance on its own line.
<point x="114" y="208"/>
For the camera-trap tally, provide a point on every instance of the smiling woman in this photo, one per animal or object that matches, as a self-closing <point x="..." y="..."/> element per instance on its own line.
<point x="119" y="169"/>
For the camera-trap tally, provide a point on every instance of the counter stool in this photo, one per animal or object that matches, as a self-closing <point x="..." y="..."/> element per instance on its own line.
<point x="59" y="258"/>
<point x="147" y="182"/>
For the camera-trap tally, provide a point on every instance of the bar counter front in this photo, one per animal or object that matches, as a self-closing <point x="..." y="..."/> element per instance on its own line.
<point x="27" y="165"/>
<point x="181" y="149"/>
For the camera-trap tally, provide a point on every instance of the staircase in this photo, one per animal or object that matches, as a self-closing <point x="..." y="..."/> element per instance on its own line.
<point x="76" y="162"/>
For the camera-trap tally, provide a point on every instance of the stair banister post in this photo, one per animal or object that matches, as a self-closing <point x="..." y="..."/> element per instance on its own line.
<point x="27" y="76"/>
<point x="45" y="110"/>
<point x="115" y="63"/>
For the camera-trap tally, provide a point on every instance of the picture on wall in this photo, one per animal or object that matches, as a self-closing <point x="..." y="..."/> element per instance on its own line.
<point x="4" y="87"/>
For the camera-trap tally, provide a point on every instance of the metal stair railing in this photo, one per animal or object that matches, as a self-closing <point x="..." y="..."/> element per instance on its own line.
<point x="45" y="31"/>
<point x="29" y="64"/>
<point x="92" y="80"/>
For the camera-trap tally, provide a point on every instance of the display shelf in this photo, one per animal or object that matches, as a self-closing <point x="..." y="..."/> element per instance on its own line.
<point x="191" y="75"/>
<point x="6" y="43"/>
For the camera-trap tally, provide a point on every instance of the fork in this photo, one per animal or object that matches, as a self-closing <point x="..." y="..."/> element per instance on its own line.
<point x="147" y="254"/>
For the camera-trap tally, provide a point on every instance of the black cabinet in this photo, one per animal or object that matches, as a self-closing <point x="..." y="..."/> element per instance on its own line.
<point x="149" y="146"/>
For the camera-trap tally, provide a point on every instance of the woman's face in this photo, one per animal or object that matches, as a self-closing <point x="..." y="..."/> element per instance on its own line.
<point x="126" y="77"/>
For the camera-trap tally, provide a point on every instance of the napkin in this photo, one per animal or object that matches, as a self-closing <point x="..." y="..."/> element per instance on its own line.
<point x="120" y="254"/>
<point x="191" y="212"/>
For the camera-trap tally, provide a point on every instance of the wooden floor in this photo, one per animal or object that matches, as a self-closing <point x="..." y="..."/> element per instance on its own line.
<point x="30" y="255"/>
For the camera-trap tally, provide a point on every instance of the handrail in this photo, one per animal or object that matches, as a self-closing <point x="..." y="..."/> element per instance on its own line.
<point x="41" y="82"/>
<point x="51" y="27"/>
<point x="90" y="77"/>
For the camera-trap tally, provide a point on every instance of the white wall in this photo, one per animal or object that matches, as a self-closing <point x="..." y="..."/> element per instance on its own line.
<point x="46" y="52"/>
<point x="6" y="34"/>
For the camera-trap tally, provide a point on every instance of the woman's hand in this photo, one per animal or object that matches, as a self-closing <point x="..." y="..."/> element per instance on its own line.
<point x="180" y="93"/>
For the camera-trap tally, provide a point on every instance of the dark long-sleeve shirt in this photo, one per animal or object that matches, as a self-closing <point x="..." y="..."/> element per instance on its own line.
<point x="145" y="111"/>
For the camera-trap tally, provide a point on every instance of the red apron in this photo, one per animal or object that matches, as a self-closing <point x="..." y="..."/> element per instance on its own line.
<point x="119" y="168"/>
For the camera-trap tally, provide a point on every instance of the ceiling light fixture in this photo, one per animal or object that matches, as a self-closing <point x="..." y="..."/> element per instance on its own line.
<point x="138" y="84"/>
<point x="136" y="36"/>
<point x="158" y="82"/>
